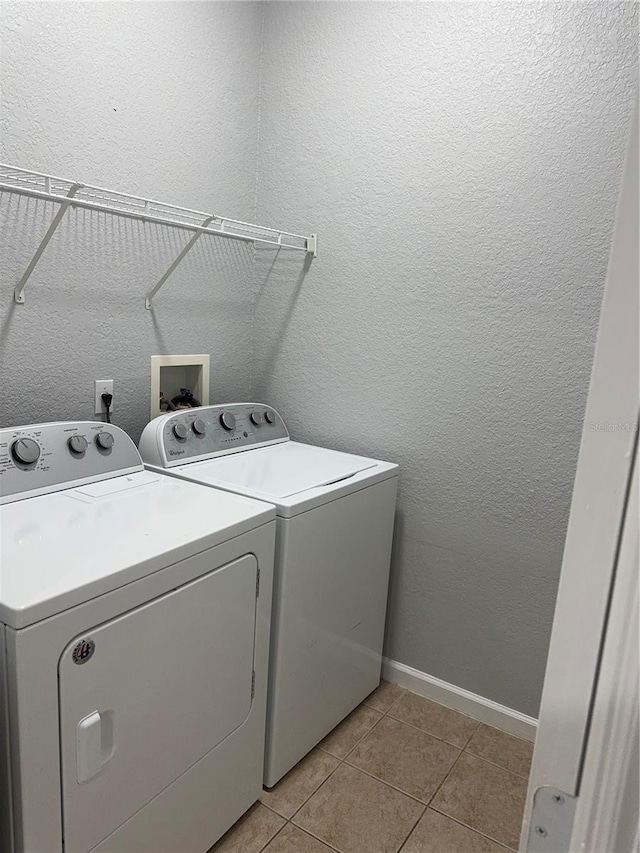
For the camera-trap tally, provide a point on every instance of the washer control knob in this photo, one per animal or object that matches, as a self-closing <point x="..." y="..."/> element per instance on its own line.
<point x="180" y="431"/>
<point x="269" y="417"/>
<point x="25" y="450"/>
<point x="77" y="444"/>
<point x="256" y="418"/>
<point x="105" y="440"/>
<point x="199" y="426"/>
<point x="228" y="421"/>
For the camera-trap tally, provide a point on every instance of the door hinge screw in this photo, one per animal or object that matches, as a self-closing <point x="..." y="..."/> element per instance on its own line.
<point x="558" y="799"/>
<point x="541" y="831"/>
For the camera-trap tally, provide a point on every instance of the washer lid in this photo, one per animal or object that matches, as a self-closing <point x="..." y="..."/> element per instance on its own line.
<point x="279" y="471"/>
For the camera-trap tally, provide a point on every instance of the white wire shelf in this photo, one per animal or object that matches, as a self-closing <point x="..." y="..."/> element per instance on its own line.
<point x="68" y="193"/>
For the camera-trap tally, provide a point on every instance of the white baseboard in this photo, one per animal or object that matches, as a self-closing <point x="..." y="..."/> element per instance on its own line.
<point x="485" y="710"/>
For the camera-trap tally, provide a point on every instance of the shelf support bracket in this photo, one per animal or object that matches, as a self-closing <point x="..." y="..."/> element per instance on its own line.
<point x="312" y="245"/>
<point x="18" y="293"/>
<point x="178" y="260"/>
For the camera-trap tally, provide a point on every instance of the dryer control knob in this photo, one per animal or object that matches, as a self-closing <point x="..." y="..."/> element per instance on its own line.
<point x="256" y="418"/>
<point x="25" y="450"/>
<point x="269" y="417"/>
<point x="105" y="440"/>
<point x="228" y="421"/>
<point x="77" y="444"/>
<point x="180" y="431"/>
<point x="199" y="426"/>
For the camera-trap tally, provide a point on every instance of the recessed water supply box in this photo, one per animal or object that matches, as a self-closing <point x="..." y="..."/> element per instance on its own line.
<point x="171" y="373"/>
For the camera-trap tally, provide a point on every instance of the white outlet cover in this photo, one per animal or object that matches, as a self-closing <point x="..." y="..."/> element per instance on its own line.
<point x="102" y="386"/>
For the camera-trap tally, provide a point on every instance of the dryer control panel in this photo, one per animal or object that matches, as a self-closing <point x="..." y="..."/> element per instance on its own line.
<point x="192" y="435"/>
<point x="42" y="458"/>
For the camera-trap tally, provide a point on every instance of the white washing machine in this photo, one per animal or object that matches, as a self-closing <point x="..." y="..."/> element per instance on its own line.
<point x="134" y="637"/>
<point x="333" y="546"/>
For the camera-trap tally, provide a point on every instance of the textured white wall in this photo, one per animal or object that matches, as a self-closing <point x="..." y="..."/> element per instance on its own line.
<point x="154" y="98"/>
<point x="461" y="163"/>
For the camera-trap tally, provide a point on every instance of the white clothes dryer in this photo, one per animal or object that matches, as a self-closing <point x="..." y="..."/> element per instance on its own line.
<point x="134" y="634"/>
<point x="335" y="515"/>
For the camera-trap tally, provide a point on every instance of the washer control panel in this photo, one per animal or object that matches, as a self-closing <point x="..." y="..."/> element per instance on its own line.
<point x="209" y="431"/>
<point x="43" y="458"/>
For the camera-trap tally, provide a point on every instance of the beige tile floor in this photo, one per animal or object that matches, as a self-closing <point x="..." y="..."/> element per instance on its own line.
<point x="401" y="773"/>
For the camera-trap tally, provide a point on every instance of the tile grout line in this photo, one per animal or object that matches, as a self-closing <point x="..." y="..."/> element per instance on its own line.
<point x="359" y="741"/>
<point x="440" y="705"/>
<point x="388" y="784"/>
<point x="317" y="838"/>
<point x="446" y="776"/>
<point x="326" y="779"/>
<point x="473" y="829"/>
<point x="410" y="833"/>
<point x="471" y="736"/>
<point x="304" y="831"/>
<point x="273" y="837"/>
<point x="315" y="790"/>
<point x="264" y="846"/>
<point x="450" y="770"/>
<point x="387" y="713"/>
<point x="493" y="764"/>
<point x="466" y="826"/>
<point x="457" y="746"/>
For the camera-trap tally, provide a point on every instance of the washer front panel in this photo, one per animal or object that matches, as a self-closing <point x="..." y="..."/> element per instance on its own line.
<point x="332" y="568"/>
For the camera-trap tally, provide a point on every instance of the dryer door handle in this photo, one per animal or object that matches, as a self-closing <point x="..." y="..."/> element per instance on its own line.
<point x="94" y="743"/>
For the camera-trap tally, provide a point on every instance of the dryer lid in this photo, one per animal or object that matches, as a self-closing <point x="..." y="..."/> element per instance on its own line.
<point x="62" y="549"/>
<point x="281" y="470"/>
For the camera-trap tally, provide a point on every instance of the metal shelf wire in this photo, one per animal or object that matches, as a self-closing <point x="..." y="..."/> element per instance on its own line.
<point x="68" y="193"/>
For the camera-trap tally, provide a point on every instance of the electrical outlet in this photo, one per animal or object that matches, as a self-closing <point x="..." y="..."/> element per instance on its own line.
<point x="102" y="386"/>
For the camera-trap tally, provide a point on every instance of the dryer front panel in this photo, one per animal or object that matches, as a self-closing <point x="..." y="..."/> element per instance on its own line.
<point x="147" y="695"/>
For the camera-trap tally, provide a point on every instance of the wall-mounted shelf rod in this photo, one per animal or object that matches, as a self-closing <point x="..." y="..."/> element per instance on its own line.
<point x="74" y="194"/>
